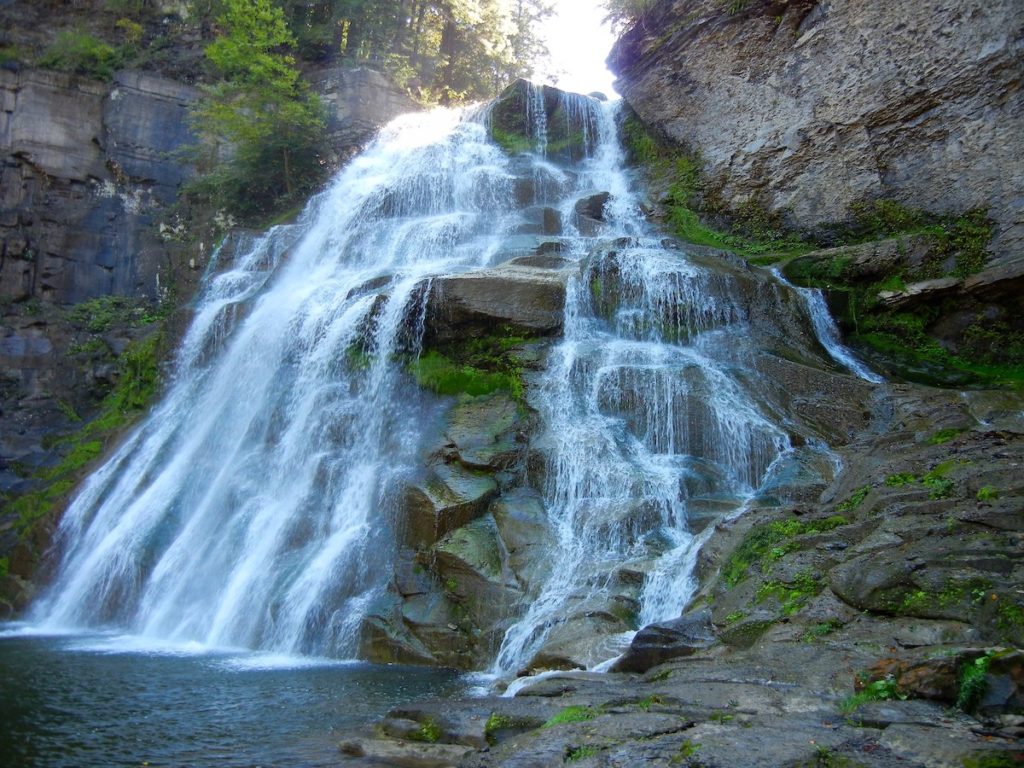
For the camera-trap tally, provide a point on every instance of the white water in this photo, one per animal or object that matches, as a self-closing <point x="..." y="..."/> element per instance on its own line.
<point x="254" y="507"/>
<point x="828" y="333"/>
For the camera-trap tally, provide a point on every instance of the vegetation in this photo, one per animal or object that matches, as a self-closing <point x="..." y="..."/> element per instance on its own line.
<point x="137" y="382"/>
<point x="79" y="52"/>
<point x="754" y="232"/>
<point x="855" y="500"/>
<point x="475" y="367"/>
<point x="263" y="131"/>
<point x="879" y="690"/>
<point x="765" y="544"/>
<point x="973" y="683"/>
<point x="792" y="597"/>
<point x="579" y="753"/>
<point x="574" y="714"/>
<point x="623" y="13"/>
<point x="441" y="50"/>
<point x="429" y="732"/>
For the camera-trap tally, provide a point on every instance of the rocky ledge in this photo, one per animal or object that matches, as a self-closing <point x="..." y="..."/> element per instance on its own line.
<point x="872" y="623"/>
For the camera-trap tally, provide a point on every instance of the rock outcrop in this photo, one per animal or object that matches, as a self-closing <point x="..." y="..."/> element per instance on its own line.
<point x="806" y="107"/>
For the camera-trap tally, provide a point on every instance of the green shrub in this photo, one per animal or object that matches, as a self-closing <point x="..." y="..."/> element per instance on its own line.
<point x="82" y="54"/>
<point x="879" y="690"/>
<point x="973" y="683"/>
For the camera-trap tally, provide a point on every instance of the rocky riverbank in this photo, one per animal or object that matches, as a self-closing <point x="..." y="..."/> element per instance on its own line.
<point x="871" y="624"/>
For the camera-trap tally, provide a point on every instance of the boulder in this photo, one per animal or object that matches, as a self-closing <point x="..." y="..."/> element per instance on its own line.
<point x="483" y="431"/>
<point x="447" y="498"/>
<point x="592" y="207"/>
<point x="528" y="117"/>
<point x="527" y="299"/>
<point x="526" y="535"/>
<point x="658" y="643"/>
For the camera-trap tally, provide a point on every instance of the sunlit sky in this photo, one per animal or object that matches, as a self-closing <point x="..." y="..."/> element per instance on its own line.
<point x="579" y="44"/>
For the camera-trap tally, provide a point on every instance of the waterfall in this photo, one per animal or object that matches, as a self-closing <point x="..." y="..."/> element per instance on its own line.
<point x="255" y="506"/>
<point x="827" y="333"/>
<point x="249" y="509"/>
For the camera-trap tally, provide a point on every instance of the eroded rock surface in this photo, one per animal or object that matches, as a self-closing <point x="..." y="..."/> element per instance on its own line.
<point x="808" y="106"/>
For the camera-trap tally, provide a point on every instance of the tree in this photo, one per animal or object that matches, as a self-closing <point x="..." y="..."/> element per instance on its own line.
<point x="622" y="13"/>
<point x="260" y="114"/>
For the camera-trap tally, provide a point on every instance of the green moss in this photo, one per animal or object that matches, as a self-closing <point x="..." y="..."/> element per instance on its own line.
<point x="767" y="543"/>
<point x="879" y="690"/>
<point x="733" y="617"/>
<point x="993" y="759"/>
<point x="650" y="701"/>
<point x="1010" y="618"/>
<point x="4" y="566"/>
<point x="791" y="596"/>
<point x="511" y="142"/>
<point x="900" y="479"/>
<point x="438" y="373"/>
<point x="580" y="753"/>
<point x="820" y="630"/>
<point x="575" y="714"/>
<point x="475" y="366"/>
<point x="855" y="500"/>
<point x="429" y="732"/>
<point x="987" y="493"/>
<point x="686" y="750"/>
<point x="943" y="436"/>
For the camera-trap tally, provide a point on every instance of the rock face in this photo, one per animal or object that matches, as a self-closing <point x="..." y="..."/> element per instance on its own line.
<point x="808" y="106"/>
<point x="523" y="296"/>
<point x="87" y="167"/>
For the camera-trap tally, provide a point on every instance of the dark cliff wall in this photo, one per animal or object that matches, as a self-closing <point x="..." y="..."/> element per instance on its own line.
<point x="806" y="106"/>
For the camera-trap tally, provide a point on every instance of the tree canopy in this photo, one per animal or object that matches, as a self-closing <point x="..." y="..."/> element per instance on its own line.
<point x="262" y="128"/>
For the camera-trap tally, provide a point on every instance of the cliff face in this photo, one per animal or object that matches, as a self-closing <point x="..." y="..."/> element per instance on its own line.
<point x="806" y="106"/>
<point x="87" y="167"/>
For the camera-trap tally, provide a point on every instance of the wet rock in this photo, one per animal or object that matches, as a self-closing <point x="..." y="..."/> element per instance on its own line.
<point x="384" y="639"/>
<point x="592" y="207"/>
<point x="468" y="562"/>
<point x="526" y="299"/>
<point x="483" y="431"/>
<point x="567" y="118"/>
<point x="447" y="498"/>
<point x="526" y="534"/>
<point x="1004" y="685"/>
<point x="658" y="643"/>
<point x="403" y="754"/>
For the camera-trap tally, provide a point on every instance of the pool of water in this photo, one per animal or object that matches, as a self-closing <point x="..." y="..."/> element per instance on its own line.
<point x="101" y="700"/>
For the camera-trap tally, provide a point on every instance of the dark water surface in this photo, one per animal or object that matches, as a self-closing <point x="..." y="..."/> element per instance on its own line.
<point x="103" y="701"/>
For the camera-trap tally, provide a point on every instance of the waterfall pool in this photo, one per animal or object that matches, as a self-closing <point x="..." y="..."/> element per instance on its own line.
<point x="92" y="700"/>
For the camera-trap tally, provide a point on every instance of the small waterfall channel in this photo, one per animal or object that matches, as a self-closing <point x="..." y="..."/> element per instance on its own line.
<point x="254" y="507"/>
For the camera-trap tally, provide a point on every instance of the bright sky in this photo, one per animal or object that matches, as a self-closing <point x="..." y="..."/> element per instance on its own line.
<point x="579" y="44"/>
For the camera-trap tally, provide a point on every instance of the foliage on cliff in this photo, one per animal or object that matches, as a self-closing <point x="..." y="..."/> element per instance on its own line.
<point x="259" y="114"/>
<point x="442" y="50"/>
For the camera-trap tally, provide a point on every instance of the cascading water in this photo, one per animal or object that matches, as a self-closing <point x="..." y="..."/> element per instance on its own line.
<point x="254" y="506"/>
<point x="246" y="509"/>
